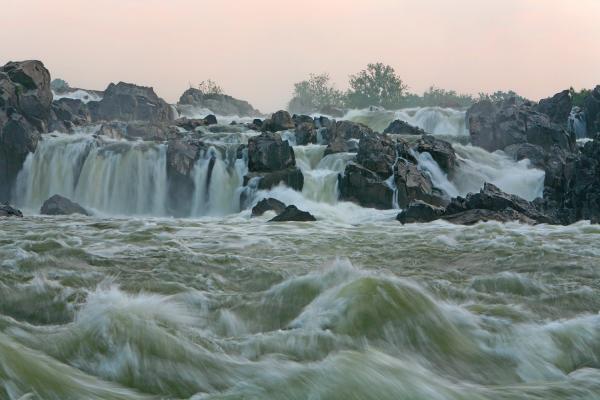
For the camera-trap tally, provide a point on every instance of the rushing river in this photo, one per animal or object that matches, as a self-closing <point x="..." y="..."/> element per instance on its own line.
<point x="223" y="306"/>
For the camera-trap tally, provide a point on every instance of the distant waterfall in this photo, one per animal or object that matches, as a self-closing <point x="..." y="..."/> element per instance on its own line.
<point x="218" y="177"/>
<point x="114" y="177"/>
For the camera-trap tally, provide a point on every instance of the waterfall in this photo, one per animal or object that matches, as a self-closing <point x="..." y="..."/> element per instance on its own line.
<point x="114" y="177"/>
<point x="439" y="178"/>
<point x="320" y="173"/>
<point x="218" y="177"/>
<point x="577" y="122"/>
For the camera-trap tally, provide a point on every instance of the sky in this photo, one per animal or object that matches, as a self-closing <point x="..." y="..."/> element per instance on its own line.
<point x="257" y="49"/>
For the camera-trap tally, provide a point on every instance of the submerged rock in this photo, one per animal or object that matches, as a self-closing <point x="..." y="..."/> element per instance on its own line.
<point x="59" y="205"/>
<point x="399" y="127"/>
<point x="269" y="204"/>
<point x="129" y="102"/>
<point x="419" y="211"/>
<point x="471" y="217"/>
<point x="292" y="213"/>
<point x="9" y="211"/>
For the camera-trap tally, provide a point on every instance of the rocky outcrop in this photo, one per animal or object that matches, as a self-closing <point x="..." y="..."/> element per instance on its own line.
<point x="25" y="111"/>
<point x="412" y="184"/>
<point x="557" y="107"/>
<point x="365" y="187"/>
<point x="129" y="102"/>
<point x="191" y="124"/>
<point x="592" y="112"/>
<point x="267" y="152"/>
<point x="69" y="113"/>
<point x="220" y="104"/>
<point x="399" y="127"/>
<point x="139" y="130"/>
<point x="441" y="151"/>
<point x="280" y="121"/>
<point x="343" y="136"/>
<point x="490" y="204"/>
<point x="182" y="155"/>
<point x="292" y="213"/>
<point x="291" y="177"/>
<point x="9" y="211"/>
<point x="269" y="204"/>
<point x="495" y="126"/>
<point x="59" y="205"/>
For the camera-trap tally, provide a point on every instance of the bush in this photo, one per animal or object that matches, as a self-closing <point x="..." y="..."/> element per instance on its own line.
<point x="377" y="85"/>
<point x="313" y="94"/>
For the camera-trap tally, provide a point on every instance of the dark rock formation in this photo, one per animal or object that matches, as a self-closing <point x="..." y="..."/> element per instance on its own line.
<point x="59" y="205"/>
<point x="343" y="136"/>
<point x="220" y="104"/>
<point x="291" y="177"/>
<point x="292" y="213"/>
<point x="441" y="151"/>
<point x="592" y="111"/>
<point x="25" y="110"/>
<point x="280" y="121"/>
<point x="69" y="113"/>
<point x="471" y="217"/>
<point x="419" y="211"/>
<point x="557" y="107"/>
<point x="495" y="126"/>
<point x="268" y="153"/>
<point x="305" y="133"/>
<point x="269" y="204"/>
<point x="412" y="184"/>
<point x="399" y="127"/>
<point x="190" y="124"/>
<point x="9" y="211"/>
<point x="129" y="102"/>
<point x="365" y="188"/>
<point x="182" y="155"/>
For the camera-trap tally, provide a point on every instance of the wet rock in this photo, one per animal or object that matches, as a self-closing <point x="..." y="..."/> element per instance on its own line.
<point x="269" y="204"/>
<point x="220" y="104"/>
<point x="419" y="211"/>
<point x="378" y="154"/>
<point x="292" y="213"/>
<point x="182" y="155"/>
<point x="190" y="124"/>
<point x="59" y="205"/>
<point x="68" y="113"/>
<point x="305" y="133"/>
<point x="343" y="136"/>
<point x="365" y="187"/>
<point x="399" y="127"/>
<point x="291" y="177"/>
<point x="9" y="211"/>
<point x="413" y="184"/>
<point x="280" y="121"/>
<point x="139" y="130"/>
<point x="557" y="107"/>
<point x="267" y="152"/>
<point x="129" y="102"/>
<point x="592" y="111"/>
<point x="441" y="151"/>
<point x="471" y="217"/>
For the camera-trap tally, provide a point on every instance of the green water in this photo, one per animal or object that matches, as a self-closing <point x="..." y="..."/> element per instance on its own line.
<point x="236" y="308"/>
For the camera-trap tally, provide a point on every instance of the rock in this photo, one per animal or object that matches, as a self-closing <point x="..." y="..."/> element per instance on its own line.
<point x="9" y="211"/>
<point x="291" y="177"/>
<point x="59" y="205"/>
<point x="190" y="124"/>
<point x="292" y="213"/>
<point x="139" y="130"/>
<point x="557" y="107"/>
<point x="69" y="113"/>
<point x="471" y="217"/>
<point x="129" y="102"/>
<point x="343" y="136"/>
<point x="25" y="111"/>
<point x="592" y="111"/>
<point x="413" y="184"/>
<point x="220" y="104"/>
<point x="399" y="127"/>
<point x="377" y="153"/>
<point x="280" y="121"/>
<point x="269" y="204"/>
<point x="211" y="119"/>
<point x="268" y="152"/>
<point x="182" y="155"/>
<point x="419" y="211"/>
<point x="305" y="134"/>
<point x="495" y="126"/>
<point x="365" y="187"/>
<point x="441" y="151"/>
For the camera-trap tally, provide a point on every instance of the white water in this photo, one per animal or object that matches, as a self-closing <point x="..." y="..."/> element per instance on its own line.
<point x="79" y="94"/>
<point x="114" y="177"/>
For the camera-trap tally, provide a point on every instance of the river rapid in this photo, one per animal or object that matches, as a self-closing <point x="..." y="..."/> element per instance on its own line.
<point x="353" y="306"/>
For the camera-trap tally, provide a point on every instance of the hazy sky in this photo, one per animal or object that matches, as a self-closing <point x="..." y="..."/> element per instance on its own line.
<point x="257" y="49"/>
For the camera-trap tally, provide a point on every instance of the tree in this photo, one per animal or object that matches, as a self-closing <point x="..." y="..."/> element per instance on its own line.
<point x="376" y="85"/>
<point x="210" y="87"/>
<point x="499" y="96"/>
<point x="315" y="93"/>
<point x="579" y="96"/>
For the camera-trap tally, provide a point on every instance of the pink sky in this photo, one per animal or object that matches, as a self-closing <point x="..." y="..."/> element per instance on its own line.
<point x="257" y="49"/>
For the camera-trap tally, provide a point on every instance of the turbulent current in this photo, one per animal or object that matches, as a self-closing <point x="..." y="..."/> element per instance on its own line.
<point x="134" y="304"/>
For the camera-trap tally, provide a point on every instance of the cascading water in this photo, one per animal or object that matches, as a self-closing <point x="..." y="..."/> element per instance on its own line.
<point x="114" y="177"/>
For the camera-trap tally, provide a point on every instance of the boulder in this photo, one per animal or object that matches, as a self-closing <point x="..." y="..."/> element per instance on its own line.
<point x="471" y="217"/>
<point x="9" y="211"/>
<point x="557" y="107"/>
<point x="190" y="124"/>
<point x="267" y="152"/>
<point x="129" y="102"/>
<point x="413" y="184"/>
<point x="343" y="136"/>
<point x="292" y="213"/>
<point x="291" y="177"/>
<point x="378" y="154"/>
<point x="441" y="151"/>
<point x="59" y="205"/>
<point x="305" y="133"/>
<point x="280" y="121"/>
<point x="365" y="187"/>
<point x="399" y="127"/>
<point x="182" y="155"/>
<point x="269" y="204"/>
<point x="220" y="104"/>
<point x="25" y="111"/>
<point x="139" y="130"/>
<point x="419" y="211"/>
